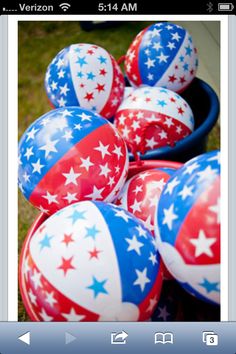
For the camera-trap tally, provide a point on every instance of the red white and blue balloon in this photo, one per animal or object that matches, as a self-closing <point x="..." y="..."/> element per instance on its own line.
<point x="153" y="117"/>
<point x="68" y="155"/>
<point x="188" y="226"/>
<point x="163" y="55"/>
<point x="103" y="266"/>
<point x="85" y="75"/>
<point x="141" y="193"/>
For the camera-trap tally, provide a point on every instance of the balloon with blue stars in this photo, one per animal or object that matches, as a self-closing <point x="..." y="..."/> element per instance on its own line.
<point x="104" y="266"/>
<point x="85" y="75"/>
<point x="163" y="54"/>
<point x="187" y="226"/>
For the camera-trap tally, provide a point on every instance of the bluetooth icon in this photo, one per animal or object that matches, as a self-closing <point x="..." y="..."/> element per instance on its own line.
<point x="209" y="7"/>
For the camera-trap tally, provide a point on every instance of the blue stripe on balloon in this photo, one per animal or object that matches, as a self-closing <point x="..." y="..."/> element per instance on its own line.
<point x="129" y="261"/>
<point x="55" y="94"/>
<point x="159" y="67"/>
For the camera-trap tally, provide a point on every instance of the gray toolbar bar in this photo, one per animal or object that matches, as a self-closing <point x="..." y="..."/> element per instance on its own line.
<point x="122" y="337"/>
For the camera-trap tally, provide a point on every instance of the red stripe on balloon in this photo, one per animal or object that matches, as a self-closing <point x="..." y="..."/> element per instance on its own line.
<point x="201" y="220"/>
<point x="54" y="181"/>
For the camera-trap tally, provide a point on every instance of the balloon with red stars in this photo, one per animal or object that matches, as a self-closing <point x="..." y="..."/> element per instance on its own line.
<point x="153" y="117"/>
<point x="141" y="193"/>
<point x="188" y="226"/>
<point x="68" y="155"/>
<point x="103" y="266"/>
<point x="85" y="75"/>
<point x="163" y="54"/>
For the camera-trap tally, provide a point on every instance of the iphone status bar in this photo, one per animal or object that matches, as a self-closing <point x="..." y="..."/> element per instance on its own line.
<point x="118" y="7"/>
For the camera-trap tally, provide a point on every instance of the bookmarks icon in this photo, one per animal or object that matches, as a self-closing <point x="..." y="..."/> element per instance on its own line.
<point x="164" y="338"/>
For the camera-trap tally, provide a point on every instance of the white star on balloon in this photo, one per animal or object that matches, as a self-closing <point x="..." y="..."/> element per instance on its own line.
<point x="203" y="244"/>
<point x="45" y="316"/>
<point x="96" y="193"/>
<point x="50" y="298"/>
<point x="150" y="63"/>
<point x="148" y="223"/>
<point x="72" y="316"/>
<point x="31" y="134"/>
<point x="122" y="214"/>
<point x="152" y="304"/>
<point x="85" y="117"/>
<point x="36" y="279"/>
<point x="51" y="198"/>
<point x="170" y="186"/>
<point x="169" y="216"/>
<point x="86" y="163"/>
<point x="162" y="58"/>
<point x="117" y="151"/>
<point x="49" y="147"/>
<point x="136" y="206"/>
<point x="29" y="153"/>
<point x="71" y="197"/>
<point x="150" y="143"/>
<point x="64" y="89"/>
<point x="103" y="149"/>
<point x="153" y="258"/>
<point x="61" y="102"/>
<point x="37" y="167"/>
<point x="71" y="177"/>
<point x="134" y="245"/>
<point x="68" y="135"/>
<point x="186" y="192"/>
<point x="105" y="170"/>
<point x="33" y="298"/>
<point x="141" y="231"/>
<point x="190" y="168"/>
<point x="142" y="278"/>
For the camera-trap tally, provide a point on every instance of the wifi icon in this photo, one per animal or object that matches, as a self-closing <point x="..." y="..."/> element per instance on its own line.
<point x="65" y="6"/>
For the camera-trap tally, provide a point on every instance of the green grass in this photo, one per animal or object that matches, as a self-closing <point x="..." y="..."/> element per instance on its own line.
<point x="39" y="42"/>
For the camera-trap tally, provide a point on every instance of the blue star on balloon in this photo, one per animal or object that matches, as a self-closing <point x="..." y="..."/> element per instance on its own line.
<point x="92" y="232"/>
<point x="163" y="90"/>
<point x="161" y="103"/>
<point x="185" y="67"/>
<point x="90" y="76"/>
<point x="45" y="242"/>
<point x="81" y="61"/>
<point x="98" y="287"/>
<point x="102" y="59"/>
<point x="188" y="50"/>
<point x="77" y="50"/>
<point x="214" y="286"/>
<point x="77" y="215"/>
<point x="80" y="74"/>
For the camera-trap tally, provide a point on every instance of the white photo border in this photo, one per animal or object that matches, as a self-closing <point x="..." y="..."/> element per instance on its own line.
<point x="13" y="139"/>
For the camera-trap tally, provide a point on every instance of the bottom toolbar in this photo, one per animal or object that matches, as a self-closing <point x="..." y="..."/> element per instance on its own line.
<point x="148" y="337"/>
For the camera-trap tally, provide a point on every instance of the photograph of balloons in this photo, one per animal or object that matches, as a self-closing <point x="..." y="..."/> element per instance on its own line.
<point x="119" y="171"/>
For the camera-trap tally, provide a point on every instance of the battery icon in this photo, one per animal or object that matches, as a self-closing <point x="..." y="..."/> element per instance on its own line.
<point x="225" y="6"/>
